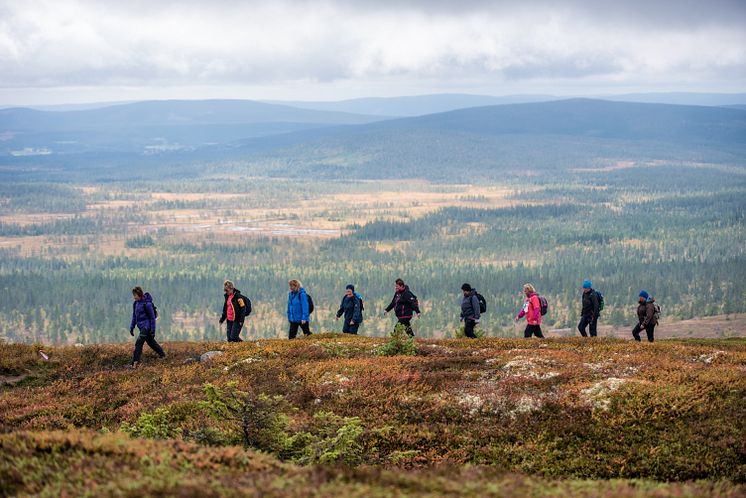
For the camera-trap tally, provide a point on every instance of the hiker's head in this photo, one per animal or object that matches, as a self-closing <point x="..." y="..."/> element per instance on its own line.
<point x="294" y="285"/>
<point x="400" y="285"/>
<point x="228" y="287"/>
<point x="587" y="286"/>
<point x="644" y="296"/>
<point x="137" y="293"/>
<point x="349" y="290"/>
<point x="466" y="288"/>
<point x="528" y="289"/>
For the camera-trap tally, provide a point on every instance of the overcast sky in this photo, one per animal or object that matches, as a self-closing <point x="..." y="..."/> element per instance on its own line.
<point x="62" y="51"/>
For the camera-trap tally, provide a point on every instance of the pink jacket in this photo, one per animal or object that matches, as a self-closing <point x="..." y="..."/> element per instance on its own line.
<point x="531" y="310"/>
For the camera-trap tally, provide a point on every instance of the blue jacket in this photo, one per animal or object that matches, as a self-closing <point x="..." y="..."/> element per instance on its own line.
<point x="298" y="306"/>
<point x="143" y="314"/>
<point x="350" y="307"/>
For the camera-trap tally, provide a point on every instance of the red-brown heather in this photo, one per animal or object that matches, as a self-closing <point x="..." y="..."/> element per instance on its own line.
<point x="330" y="415"/>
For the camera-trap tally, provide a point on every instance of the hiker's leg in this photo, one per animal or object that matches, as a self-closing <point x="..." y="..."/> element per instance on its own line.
<point x="236" y="332"/>
<point x="352" y="329"/>
<point x="293" y="331"/>
<point x="527" y="332"/>
<point x="138" y="347"/>
<point x="650" y="330"/>
<point x="228" y="329"/>
<point x="582" y="325"/>
<point x="306" y="328"/>
<point x="469" y="328"/>
<point x="537" y="332"/>
<point x="154" y="345"/>
<point x="636" y="332"/>
<point x="593" y="327"/>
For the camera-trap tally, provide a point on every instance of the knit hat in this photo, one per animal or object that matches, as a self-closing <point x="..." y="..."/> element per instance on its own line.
<point x="644" y="293"/>
<point x="466" y="287"/>
<point x="587" y="284"/>
<point x="351" y="287"/>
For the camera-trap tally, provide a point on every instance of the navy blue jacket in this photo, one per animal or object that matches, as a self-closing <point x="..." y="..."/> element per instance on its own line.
<point x="143" y="314"/>
<point x="350" y="307"/>
<point x="298" y="306"/>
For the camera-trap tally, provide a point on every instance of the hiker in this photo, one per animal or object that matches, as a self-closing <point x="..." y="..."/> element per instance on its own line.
<point x="298" y="309"/>
<point x="404" y="304"/>
<point x="532" y="311"/>
<point x="143" y="315"/>
<point x="590" y="311"/>
<point x="352" y="309"/>
<point x="470" y="309"/>
<point x="645" y="316"/>
<point x="236" y="308"/>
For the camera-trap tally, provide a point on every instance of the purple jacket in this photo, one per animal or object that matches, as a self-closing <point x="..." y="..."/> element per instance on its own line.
<point x="143" y="314"/>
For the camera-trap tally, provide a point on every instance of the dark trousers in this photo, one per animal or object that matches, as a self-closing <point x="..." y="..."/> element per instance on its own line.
<point x="149" y="337"/>
<point x="649" y="330"/>
<point x="233" y="331"/>
<point x="350" y="329"/>
<point x="533" y="329"/>
<point x="469" y="328"/>
<point x="293" y="332"/>
<point x="407" y="322"/>
<point x="586" y="321"/>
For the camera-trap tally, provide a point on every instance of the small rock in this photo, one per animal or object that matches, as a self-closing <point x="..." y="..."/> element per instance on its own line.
<point x="190" y="360"/>
<point x="210" y="355"/>
<point x="79" y="345"/>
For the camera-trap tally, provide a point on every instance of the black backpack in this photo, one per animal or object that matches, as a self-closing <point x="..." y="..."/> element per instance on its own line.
<point x="544" y="305"/>
<point x="482" y="303"/>
<point x="246" y="304"/>
<point x="311" y="306"/>
<point x="600" y="300"/>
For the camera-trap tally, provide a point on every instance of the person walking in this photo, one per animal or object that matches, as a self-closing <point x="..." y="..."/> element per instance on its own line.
<point x="590" y="310"/>
<point x="352" y="309"/>
<point x="646" y="316"/>
<point x="532" y="311"/>
<point x="143" y="316"/>
<point x="236" y="308"/>
<point x="298" y="309"/>
<point x="404" y="304"/>
<point x="470" y="310"/>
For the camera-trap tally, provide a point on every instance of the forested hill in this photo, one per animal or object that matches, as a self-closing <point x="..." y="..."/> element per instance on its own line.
<point x="592" y="118"/>
<point x="494" y="141"/>
<point x="283" y="141"/>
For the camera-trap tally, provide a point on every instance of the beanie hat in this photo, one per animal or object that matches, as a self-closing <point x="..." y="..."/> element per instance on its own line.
<point x="466" y="287"/>
<point x="351" y="287"/>
<point x="644" y="293"/>
<point x="587" y="284"/>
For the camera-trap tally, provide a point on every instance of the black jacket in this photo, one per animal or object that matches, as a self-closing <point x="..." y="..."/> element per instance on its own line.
<point x="590" y="304"/>
<point x="404" y="303"/>
<point x="240" y="307"/>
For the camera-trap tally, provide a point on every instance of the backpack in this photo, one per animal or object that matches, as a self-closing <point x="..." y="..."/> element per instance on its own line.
<point x="155" y="311"/>
<point x="311" y="306"/>
<point x="544" y="305"/>
<point x="362" y="303"/>
<point x="600" y="300"/>
<point x="482" y="303"/>
<point x="657" y="314"/>
<point x="246" y="304"/>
